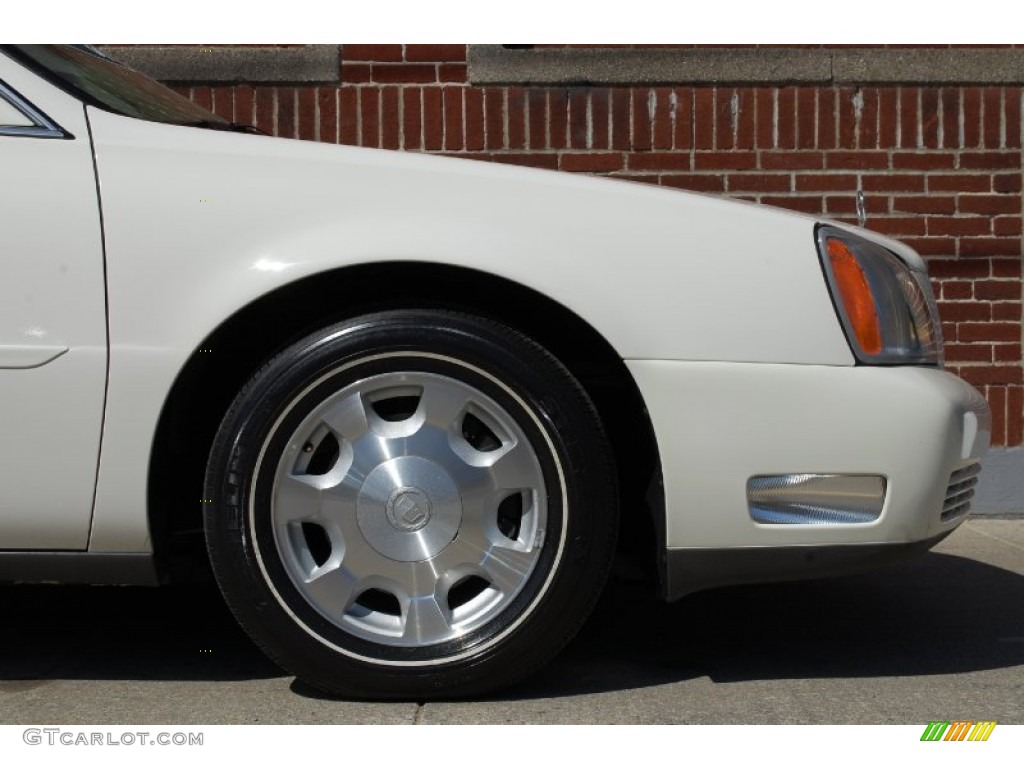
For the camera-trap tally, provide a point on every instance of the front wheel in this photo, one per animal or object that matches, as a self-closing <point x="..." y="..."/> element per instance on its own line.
<point x="412" y="504"/>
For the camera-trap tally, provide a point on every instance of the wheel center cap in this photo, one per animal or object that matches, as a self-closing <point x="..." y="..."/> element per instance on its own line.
<point x="408" y="509"/>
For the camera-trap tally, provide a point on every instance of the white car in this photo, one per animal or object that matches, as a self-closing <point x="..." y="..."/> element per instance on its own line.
<point x="409" y="404"/>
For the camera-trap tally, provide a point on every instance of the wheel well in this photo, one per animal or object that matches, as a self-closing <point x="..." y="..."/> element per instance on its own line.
<point x="229" y="356"/>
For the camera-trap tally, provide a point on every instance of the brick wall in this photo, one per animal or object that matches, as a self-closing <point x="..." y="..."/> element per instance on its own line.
<point x="940" y="165"/>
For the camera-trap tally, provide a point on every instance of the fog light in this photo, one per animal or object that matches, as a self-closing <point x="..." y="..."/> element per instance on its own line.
<point x="815" y="499"/>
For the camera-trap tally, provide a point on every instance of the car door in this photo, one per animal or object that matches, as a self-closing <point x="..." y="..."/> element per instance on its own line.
<point x="53" y="339"/>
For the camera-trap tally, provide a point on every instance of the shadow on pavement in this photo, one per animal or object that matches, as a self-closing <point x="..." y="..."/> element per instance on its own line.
<point x="940" y="614"/>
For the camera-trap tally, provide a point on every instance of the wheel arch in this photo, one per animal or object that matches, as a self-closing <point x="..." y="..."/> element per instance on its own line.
<point x="231" y="354"/>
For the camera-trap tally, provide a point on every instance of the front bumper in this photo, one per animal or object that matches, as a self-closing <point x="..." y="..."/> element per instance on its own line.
<point x="720" y="424"/>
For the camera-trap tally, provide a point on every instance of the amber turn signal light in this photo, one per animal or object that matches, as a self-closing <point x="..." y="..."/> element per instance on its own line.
<point x="855" y="293"/>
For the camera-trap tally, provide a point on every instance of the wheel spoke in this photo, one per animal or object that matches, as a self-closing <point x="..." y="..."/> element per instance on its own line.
<point x="332" y="591"/>
<point x="425" y="620"/>
<point x="442" y="404"/>
<point x="296" y="499"/>
<point x="348" y="417"/>
<point x="516" y="469"/>
<point x="507" y="569"/>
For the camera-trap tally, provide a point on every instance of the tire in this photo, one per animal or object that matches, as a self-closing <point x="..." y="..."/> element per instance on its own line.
<point x="411" y="505"/>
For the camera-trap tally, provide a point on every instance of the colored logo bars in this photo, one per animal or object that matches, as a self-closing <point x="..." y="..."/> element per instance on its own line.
<point x="958" y="730"/>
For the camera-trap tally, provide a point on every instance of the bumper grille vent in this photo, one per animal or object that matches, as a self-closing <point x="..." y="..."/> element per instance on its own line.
<point x="960" y="492"/>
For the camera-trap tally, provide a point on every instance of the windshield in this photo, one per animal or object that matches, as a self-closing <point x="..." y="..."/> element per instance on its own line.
<point x="104" y="83"/>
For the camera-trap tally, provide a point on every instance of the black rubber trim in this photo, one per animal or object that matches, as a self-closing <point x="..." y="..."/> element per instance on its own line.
<point x="694" y="570"/>
<point x="128" y="569"/>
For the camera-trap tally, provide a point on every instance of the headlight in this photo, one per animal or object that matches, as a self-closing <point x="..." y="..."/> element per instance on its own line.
<point x="887" y="310"/>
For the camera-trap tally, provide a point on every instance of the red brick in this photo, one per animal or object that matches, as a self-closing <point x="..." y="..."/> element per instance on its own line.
<point x="989" y="204"/>
<point x="994" y="160"/>
<point x="758" y="182"/>
<point x="412" y="119"/>
<point x="726" y="161"/>
<point x="433" y="119"/>
<point x="929" y="204"/>
<point x="959" y="225"/>
<point x="355" y="73"/>
<point x="1006" y="225"/>
<point x="992" y="374"/>
<point x="352" y="52"/>
<point x="1006" y="310"/>
<point x="536" y="127"/>
<point x="559" y="111"/>
<point x="435" y="53"/>
<point x="452" y="73"/>
<point x="327" y="107"/>
<point x="792" y="161"/>
<point x="369" y="121"/>
<point x="930" y="118"/>
<point x="683" y="138"/>
<point x="899" y="226"/>
<point x="244" y="105"/>
<point x="971" y="105"/>
<point x="578" y="108"/>
<point x="348" y="115"/>
<point x="787" y="118"/>
<point x="599" y="101"/>
<point x="703" y="117"/>
<point x="847" y="118"/>
<point x="1006" y="183"/>
<point x="591" y="162"/>
<point x="873" y="205"/>
<point x="888" y="120"/>
<point x="390" y="126"/>
<point x="856" y="160"/>
<point x="697" y="182"/>
<point x="494" y="111"/>
<point x="620" y="121"/>
<point x="992" y="119"/>
<point x="931" y="161"/>
<point x="286" y="112"/>
<point x="997" y="290"/>
<point x="723" y="118"/>
<point x="451" y="98"/>
<point x="949" y="333"/>
<point x="659" y="161"/>
<point x="800" y="204"/>
<point x="820" y="182"/>
<point x="662" y="128"/>
<point x="516" y="115"/>
<point x="474" y="110"/>
<point x="1006" y="353"/>
<point x="806" y="114"/>
<point x="1006" y="267"/>
<point x="959" y="182"/>
<point x="532" y="160"/>
<point x="989" y="332"/>
<point x="932" y="246"/>
<point x="955" y="268"/>
<point x="956" y="290"/>
<point x="968" y="353"/>
<point x="827" y="119"/>
<point x="898" y="182"/>
<point x="1013" y="117"/>
<point x="908" y="118"/>
<point x="764" y="105"/>
<point x="224" y="102"/>
<point x="404" y="73"/>
<point x="867" y="134"/>
<point x="959" y="311"/>
<point x="306" y="110"/>
<point x="745" y="119"/>
<point x="949" y="98"/>
<point x="203" y="96"/>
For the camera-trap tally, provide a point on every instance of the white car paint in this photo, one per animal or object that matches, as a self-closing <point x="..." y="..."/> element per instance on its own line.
<point x="719" y="308"/>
